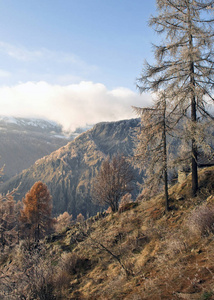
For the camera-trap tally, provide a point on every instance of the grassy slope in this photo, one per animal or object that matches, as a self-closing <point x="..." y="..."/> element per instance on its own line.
<point x="166" y="258"/>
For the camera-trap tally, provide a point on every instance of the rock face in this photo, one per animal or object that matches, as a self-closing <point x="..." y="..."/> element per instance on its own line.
<point x="68" y="172"/>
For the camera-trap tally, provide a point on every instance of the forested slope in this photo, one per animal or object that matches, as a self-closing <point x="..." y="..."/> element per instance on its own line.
<point x="68" y="172"/>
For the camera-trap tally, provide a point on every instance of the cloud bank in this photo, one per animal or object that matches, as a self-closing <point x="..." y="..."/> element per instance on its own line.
<point x="72" y="106"/>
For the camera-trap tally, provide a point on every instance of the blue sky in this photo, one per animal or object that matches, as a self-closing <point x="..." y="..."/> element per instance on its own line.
<point x="76" y="47"/>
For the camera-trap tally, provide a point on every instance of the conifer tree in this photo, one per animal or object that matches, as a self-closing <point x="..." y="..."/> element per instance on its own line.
<point x="9" y="218"/>
<point x="184" y="63"/>
<point x="153" y="144"/>
<point x="36" y="213"/>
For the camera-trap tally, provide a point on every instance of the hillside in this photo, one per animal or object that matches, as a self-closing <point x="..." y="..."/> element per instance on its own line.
<point x="167" y="256"/>
<point x="141" y="253"/>
<point x="23" y="141"/>
<point x="68" y="171"/>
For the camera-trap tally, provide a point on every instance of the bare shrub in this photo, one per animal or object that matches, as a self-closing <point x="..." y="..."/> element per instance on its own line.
<point x="201" y="220"/>
<point x="63" y="221"/>
<point x="68" y="262"/>
<point x="144" y="195"/>
<point x="61" y="283"/>
<point x="29" y="276"/>
<point x="127" y="198"/>
<point x="72" y="263"/>
<point x="109" y="210"/>
<point x="80" y="218"/>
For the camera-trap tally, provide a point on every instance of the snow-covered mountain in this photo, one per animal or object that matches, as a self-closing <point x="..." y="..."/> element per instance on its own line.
<point x="31" y="124"/>
<point x="25" y="140"/>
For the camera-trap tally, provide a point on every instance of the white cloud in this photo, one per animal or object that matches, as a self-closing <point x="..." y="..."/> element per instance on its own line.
<point x="71" y="106"/>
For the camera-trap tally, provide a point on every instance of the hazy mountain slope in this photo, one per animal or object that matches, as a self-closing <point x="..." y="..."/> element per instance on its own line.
<point x="68" y="172"/>
<point x="23" y="141"/>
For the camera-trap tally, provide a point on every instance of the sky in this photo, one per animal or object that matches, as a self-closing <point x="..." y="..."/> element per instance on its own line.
<point x="73" y="61"/>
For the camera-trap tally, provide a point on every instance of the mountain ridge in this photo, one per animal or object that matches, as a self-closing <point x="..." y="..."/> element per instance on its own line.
<point x="69" y="170"/>
<point x="24" y="140"/>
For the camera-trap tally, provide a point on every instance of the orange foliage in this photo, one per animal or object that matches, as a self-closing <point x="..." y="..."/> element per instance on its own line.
<point x="36" y="213"/>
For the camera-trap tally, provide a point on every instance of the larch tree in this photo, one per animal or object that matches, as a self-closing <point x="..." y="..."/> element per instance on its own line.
<point x="36" y="213"/>
<point x="9" y="218"/>
<point x="184" y="64"/>
<point x="114" y="180"/>
<point x="152" y="144"/>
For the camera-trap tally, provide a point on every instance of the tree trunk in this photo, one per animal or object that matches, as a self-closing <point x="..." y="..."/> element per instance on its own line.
<point x="38" y="232"/>
<point x="194" y="151"/>
<point x="193" y="113"/>
<point x="165" y="160"/>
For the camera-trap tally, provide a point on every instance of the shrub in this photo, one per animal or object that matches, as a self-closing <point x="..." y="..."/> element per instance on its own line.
<point x="71" y="263"/>
<point x="63" y="221"/>
<point x="201" y="220"/>
<point x="68" y="262"/>
<point x="127" y="206"/>
<point x="80" y="218"/>
<point x="125" y="200"/>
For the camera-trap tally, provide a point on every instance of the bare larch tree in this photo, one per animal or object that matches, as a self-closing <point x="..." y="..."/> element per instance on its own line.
<point x="184" y="63"/>
<point x="152" y="144"/>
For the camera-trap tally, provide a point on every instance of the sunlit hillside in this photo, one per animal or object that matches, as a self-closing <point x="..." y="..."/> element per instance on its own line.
<point x="138" y="253"/>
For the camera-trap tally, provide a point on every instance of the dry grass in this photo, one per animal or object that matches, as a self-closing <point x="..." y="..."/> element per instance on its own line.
<point x="169" y="256"/>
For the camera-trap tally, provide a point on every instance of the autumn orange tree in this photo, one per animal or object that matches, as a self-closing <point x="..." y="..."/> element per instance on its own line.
<point x="36" y="214"/>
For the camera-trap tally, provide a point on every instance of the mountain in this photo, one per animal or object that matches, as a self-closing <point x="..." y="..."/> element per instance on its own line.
<point x="68" y="171"/>
<point x="23" y="141"/>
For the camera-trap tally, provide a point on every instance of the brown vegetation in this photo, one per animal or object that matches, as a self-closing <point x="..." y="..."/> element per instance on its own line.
<point x="36" y="214"/>
<point x="62" y="221"/>
<point x="114" y="180"/>
<point x="160" y="256"/>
